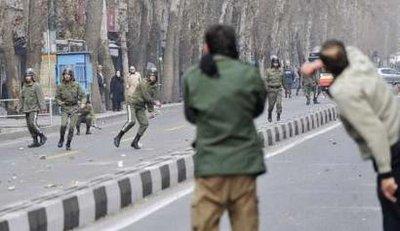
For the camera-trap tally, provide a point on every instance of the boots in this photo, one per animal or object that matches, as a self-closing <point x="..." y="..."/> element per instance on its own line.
<point x="270" y="116"/>
<point x="308" y="102"/>
<point x="35" y="143"/>
<point x="117" y="139"/>
<point x="135" y="142"/>
<point x="43" y="138"/>
<point x="68" y="144"/>
<point x="88" y="129"/>
<point x="278" y="117"/>
<point x="62" y="134"/>
<point x="78" y="130"/>
<point x="316" y="101"/>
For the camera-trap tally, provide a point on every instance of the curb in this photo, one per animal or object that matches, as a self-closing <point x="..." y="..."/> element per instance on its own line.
<point x="298" y="126"/>
<point x="93" y="202"/>
<point x="80" y="206"/>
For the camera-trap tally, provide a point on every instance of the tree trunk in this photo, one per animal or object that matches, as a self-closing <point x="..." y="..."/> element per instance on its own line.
<point x="13" y="78"/>
<point x="169" y="57"/>
<point x="104" y="57"/>
<point x="92" y="36"/>
<point x="36" y="26"/>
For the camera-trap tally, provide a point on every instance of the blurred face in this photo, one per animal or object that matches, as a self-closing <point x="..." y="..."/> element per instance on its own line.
<point x="28" y="78"/>
<point x="132" y="70"/>
<point x="100" y="68"/>
<point x="152" y="78"/>
<point x="206" y="49"/>
<point x="67" y="77"/>
<point x="118" y="74"/>
<point x="275" y="64"/>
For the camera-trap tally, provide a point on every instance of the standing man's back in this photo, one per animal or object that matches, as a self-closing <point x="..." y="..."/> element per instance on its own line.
<point x="222" y="97"/>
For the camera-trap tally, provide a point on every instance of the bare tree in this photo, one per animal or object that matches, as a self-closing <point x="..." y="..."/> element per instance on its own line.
<point x="36" y="26"/>
<point x="11" y="63"/>
<point x="94" y="17"/>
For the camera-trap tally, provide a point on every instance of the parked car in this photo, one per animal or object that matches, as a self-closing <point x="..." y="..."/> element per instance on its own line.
<point x="390" y="75"/>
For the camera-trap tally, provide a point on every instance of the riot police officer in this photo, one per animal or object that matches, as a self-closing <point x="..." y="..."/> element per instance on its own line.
<point x="86" y="116"/>
<point x="31" y="102"/>
<point x="144" y="96"/>
<point x="288" y="79"/>
<point x="69" y="96"/>
<point x="274" y="82"/>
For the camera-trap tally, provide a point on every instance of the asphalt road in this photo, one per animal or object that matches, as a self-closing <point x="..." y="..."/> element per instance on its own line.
<point x="319" y="183"/>
<point x="24" y="175"/>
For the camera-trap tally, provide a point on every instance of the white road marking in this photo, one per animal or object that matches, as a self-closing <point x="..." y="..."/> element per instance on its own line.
<point x="131" y="216"/>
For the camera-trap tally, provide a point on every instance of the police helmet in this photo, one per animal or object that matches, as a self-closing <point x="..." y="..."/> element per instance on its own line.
<point x="29" y="72"/>
<point x="275" y="60"/>
<point x="70" y="72"/>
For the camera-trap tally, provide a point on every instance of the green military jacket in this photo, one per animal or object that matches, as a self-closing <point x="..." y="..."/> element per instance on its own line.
<point x="310" y="82"/>
<point x="87" y="112"/>
<point x="223" y="110"/>
<point x="144" y="96"/>
<point x="32" y="98"/>
<point x="69" y="95"/>
<point x="273" y="79"/>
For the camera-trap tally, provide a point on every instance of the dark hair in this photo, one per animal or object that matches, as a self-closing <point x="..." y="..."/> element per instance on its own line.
<point x="337" y="61"/>
<point x="221" y="40"/>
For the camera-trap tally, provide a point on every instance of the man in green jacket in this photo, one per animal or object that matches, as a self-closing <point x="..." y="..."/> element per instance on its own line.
<point x="31" y="103"/>
<point x="274" y="83"/>
<point x="371" y="115"/>
<point x="144" y="96"/>
<point x="222" y="97"/>
<point x="69" y="96"/>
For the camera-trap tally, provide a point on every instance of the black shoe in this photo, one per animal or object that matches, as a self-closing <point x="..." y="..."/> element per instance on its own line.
<point x="35" y="143"/>
<point x="43" y="139"/>
<point x="278" y="117"/>
<point x="60" y="143"/>
<point x="308" y="102"/>
<point x="135" y="142"/>
<point x="78" y="132"/>
<point x="117" y="139"/>
<point x="68" y="144"/>
<point x="270" y="117"/>
<point x="62" y="134"/>
<point x="88" y="130"/>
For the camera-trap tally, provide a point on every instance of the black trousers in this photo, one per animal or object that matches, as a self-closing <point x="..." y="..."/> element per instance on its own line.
<point x="390" y="210"/>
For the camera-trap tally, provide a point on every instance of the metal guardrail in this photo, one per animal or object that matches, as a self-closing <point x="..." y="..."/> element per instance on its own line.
<point x="5" y="107"/>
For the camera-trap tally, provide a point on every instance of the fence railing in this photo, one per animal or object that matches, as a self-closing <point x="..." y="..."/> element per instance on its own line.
<point x="10" y="117"/>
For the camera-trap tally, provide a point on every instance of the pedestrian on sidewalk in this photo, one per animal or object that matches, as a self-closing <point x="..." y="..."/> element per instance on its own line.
<point x="144" y="97"/>
<point x="69" y="97"/>
<point x="371" y="115"/>
<point x="117" y="91"/>
<point x="102" y="83"/>
<point x="31" y="103"/>
<point x="222" y="97"/>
